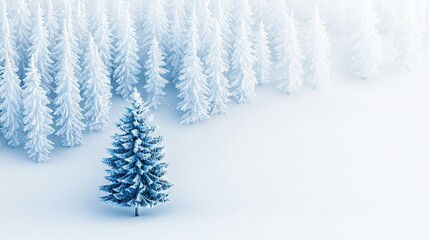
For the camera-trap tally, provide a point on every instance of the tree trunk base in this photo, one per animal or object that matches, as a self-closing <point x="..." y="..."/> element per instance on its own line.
<point x="136" y="212"/>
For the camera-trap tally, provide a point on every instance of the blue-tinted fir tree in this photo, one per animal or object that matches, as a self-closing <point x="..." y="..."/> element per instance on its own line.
<point x="136" y="167"/>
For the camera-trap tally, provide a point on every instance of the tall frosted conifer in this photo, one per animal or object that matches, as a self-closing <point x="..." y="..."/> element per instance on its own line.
<point x="37" y="116"/>
<point x="39" y="50"/>
<point x="155" y="72"/>
<point x="126" y="59"/>
<point x="263" y="55"/>
<point x="68" y="110"/>
<point x="410" y="36"/>
<point x="96" y="89"/>
<point x="192" y="82"/>
<point x="22" y="24"/>
<point x="317" y="61"/>
<point x="156" y="23"/>
<point x="176" y="44"/>
<point x="242" y="60"/>
<point x="10" y="90"/>
<point x="289" y="70"/>
<point x="216" y="68"/>
<point x="367" y="44"/>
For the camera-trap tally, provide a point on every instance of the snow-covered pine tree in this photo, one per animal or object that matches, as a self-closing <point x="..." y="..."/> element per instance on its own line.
<point x="388" y="17"/>
<point x="367" y="44"/>
<point x="289" y="70"/>
<point x="216" y="68"/>
<point x="410" y="36"/>
<point x="39" y="50"/>
<point x="204" y="27"/>
<point x="223" y="12"/>
<point x="22" y="24"/>
<point x="102" y="34"/>
<point x="263" y="53"/>
<point x="136" y="167"/>
<point x="242" y="59"/>
<point x="81" y="26"/>
<point x="10" y="90"/>
<point x="37" y="116"/>
<point x="176" y="44"/>
<point x="155" y="71"/>
<point x="126" y="60"/>
<point x="192" y="82"/>
<point x="277" y="20"/>
<point x="156" y="23"/>
<point x="51" y="23"/>
<point x="173" y="7"/>
<point x="317" y="61"/>
<point x="96" y="89"/>
<point x="68" y="110"/>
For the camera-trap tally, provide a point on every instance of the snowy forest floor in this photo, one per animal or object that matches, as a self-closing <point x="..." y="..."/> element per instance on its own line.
<point x="348" y="161"/>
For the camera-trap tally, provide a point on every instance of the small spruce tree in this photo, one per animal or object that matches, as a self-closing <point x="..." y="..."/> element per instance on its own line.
<point x="136" y="168"/>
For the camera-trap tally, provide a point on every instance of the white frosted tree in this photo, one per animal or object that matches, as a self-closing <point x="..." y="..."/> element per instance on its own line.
<point x="176" y="7"/>
<point x="39" y="50"/>
<point x="80" y="24"/>
<point x="216" y="68"/>
<point x="126" y="59"/>
<point x="10" y="90"/>
<point x="37" y="116"/>
<point x="156" y="23"/>
<point x="367" y="45"/>
<point x="242" y="59"/>
<point x="96" y="89"/>
<point x="223" y="12"/>
<point x="263" y="55"/>
<point x="68" y="110"/>
<point x="155" y="71"/>
<point x="288" y="69"/>
<point x="388" y="17"/>
<point x="317" y="62"/>
<point x="410" y="36"/>
<point x="204" y="27"/>
<point x="192" y="82"/>
<point x="277" y="19"/>
<point x="176" y="44"/>
<point x="102" y="33"/>
<point x="51" y="23"/>
<point x="22" y="24"/>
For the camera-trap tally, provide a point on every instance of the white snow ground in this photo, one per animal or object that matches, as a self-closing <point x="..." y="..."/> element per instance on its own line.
<point x="348" y="161"/>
